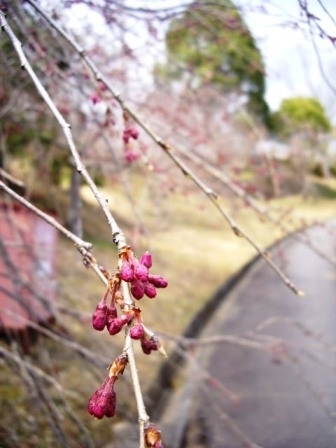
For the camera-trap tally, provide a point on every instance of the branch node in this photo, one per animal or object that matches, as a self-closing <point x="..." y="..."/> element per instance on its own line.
<point x="163" y="145"/>
<point x="237" y="231"/>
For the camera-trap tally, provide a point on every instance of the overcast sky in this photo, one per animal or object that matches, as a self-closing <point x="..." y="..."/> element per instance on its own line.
<point x="292" y="63"/>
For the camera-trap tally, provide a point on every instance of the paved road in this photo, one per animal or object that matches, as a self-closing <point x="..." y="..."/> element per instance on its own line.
<point x="283" y="390"/>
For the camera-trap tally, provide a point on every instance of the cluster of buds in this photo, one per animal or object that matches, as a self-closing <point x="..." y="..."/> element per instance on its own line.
<point x="138" y="282"/>
<point x="130" y="133"/>
<point x="107" y="316"/>
<point x="137" y="274"/>
<point x="131" y="156"/>
<point x="95" y="97"/>
<point x="103" y="402"/>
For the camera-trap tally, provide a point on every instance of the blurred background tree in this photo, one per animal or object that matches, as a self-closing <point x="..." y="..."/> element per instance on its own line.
<point x="301" y="115"/>
<point x="210" y="44"/>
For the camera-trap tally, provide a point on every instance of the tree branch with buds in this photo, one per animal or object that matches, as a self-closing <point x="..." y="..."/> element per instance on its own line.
<point x="129" y="284"/>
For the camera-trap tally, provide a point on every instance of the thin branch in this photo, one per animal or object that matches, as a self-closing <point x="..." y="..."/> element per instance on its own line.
<point x="49" y="219"/>
<point x="118" y="236"/>
<point x="10" y="178"/>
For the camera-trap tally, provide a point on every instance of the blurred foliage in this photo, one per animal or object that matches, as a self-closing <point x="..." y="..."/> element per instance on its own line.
<point x="27" y="129"/>
<point x="211" y="44"/>
<point x="300" y="114"/>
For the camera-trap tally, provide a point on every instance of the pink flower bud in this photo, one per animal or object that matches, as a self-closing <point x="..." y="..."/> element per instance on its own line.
<point x="125" y="318"/>
<point x="95" y="98"/>
<point x="99" y="317"/>
<point x="126" y="136"/>
<point x="129" y="133"/>
<point x="116" y="325"/>
<point x="137" y="331"/>
<point x="148" y="345"/>
<point x="126" y="272"/>
<point x="150" y="290"/>
<point x="131" y="156"/>
<point x="137" y="289"/>
<point x="157" y="280"/>
<point x="99" y="320"/>
<point x="146" y="259"/>
<point x="140" y="271"/>
<point x="134" y="133"/>
<point x="103" y="401"/>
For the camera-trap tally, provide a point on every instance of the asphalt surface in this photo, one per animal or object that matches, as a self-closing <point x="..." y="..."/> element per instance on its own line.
<point x="273" y="385"/>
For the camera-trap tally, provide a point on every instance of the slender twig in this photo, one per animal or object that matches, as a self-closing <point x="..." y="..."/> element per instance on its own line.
<point x="241" y="341"/>
<point x="49" y="219"/>
<point x="118" y="236"/>
<point x="83" y="247"/>
<point x="4" y="174"/>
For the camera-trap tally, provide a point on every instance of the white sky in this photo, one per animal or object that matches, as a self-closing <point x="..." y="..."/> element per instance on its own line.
<point x="291" y="62"/>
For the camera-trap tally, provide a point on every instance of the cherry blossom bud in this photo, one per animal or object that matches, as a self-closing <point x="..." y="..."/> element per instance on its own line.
<point x="103" y="401"/>
<point x="126" y="272"/>
<point x="116" y="325"/>
<point x="137" y="289"/>
<point x="126" y="136"/>
<point x="131" y="156"/>
<point x="152" y="436"/>
<point x="95" y="98"/>
<point x="157" y="280"/>
<point x="137" y="331"/>
<point x="129" y="133"/>
<point x="148" y="345"/>
<point x="140" y="271"/>
<point x="150" y="290"/>
<point x="134" y="133"/>
<point x="146" y="259"/>
<point x="99" y="317"/>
